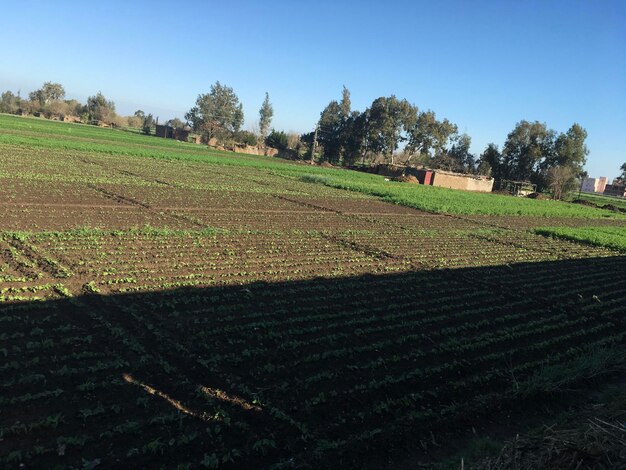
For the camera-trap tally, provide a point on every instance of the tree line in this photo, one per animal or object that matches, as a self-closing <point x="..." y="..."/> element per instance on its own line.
<point x="533" y="152"/>
<point x="390" y="130"/>
<point x="397" y="131"/>
<point x="218" y="116"/>
<point x="49" y="101"/>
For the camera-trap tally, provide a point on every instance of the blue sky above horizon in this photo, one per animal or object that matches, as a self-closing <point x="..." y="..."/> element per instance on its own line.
<point x="485" y="65"/>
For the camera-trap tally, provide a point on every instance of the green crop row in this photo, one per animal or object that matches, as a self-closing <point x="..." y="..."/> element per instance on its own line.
<point x="610" y="237"/>
<point x="447" y="201"/>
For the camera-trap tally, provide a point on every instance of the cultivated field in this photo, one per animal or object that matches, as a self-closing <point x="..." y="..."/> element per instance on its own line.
<point x="162" y="304"/>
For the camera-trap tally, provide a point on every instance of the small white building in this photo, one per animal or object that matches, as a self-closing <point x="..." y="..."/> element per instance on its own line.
<point x="594" y="185"/>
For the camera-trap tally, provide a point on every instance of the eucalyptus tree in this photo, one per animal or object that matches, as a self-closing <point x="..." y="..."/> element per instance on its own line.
<point x="389" y="124"/>
<point x="217" y="113"/>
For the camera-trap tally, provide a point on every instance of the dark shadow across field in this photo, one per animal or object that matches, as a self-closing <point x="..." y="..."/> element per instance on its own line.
<point x="353" y="372"/>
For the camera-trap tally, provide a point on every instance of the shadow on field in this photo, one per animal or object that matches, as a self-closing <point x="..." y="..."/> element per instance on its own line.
<point x="353" y="372"/>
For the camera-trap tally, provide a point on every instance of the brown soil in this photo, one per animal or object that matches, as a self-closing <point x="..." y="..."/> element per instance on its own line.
<point x="611" y="207"/>
<point x="584" y="202"/>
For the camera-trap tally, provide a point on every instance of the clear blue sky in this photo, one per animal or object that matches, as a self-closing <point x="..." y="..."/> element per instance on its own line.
<point x="485" y="65"/>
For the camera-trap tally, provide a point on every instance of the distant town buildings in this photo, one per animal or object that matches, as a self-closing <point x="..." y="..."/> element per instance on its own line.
<point x="600" y="186"/>
<point x="618" y="188"/>
<point x="594" y="185"/>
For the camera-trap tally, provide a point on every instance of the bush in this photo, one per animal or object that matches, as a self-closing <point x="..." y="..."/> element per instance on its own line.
<point x="135" y="121"/>
<point x="317" y="179"/>
<point x="245" y="138"/>
<point x="9" y="103"/>
<point x="277" y="140"/>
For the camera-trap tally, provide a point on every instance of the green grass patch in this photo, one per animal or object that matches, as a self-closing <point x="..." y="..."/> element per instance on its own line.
<point x="450" y="201"/>
<point x="320" y="179"/>
<point x="609" y="237"/>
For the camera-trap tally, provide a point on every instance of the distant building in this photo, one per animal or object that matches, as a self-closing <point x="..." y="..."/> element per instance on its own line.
<point x="168" y="132"/>
<point x="448" y="179"/>
<point x="615" y="190"/>
<point x="517" y="188"/>
<point x="443" y="179"/>
<point x="594" y="185"/>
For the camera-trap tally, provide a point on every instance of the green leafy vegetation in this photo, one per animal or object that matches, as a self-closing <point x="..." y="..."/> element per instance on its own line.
<point x="610" y="237"/>
<point x="447" y="201"/>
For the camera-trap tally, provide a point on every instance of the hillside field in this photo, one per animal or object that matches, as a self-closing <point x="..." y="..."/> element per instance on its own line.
<point x="163" y="304"/>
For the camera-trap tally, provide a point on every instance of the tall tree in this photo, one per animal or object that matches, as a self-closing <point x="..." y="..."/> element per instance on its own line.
<point x="148" y="124"/>
<point x="355" y="137"/>
<point x="623" y="169"/>
<point x="389" y="122"/>
<point x="100" y="109"/>
<point x="570" y="149"/>
<point x="527" y="146"/>
<point x="266" y="113"/>
<point x="217" y="113"/>
<point x="47" y="93"/>
<point x="331" y="131"/>
<point x="333" y="127"/>
<point x="345" y="104"/>
<point x="490" y="161"/>
<point x="561" y="179"/>
<point x="53" y="91"/>
<point x="36" y="97"/>
<point x="9" y="103"/>
<point x="429" y="137"/>
<point x="462" y="158"/>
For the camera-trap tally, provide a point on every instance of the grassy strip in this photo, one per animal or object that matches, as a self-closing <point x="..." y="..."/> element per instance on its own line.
<point x="137" y="150"/>
<point x="28" y="126"/>
<point x="610" y="237"/>
<point x="449" y="201"/>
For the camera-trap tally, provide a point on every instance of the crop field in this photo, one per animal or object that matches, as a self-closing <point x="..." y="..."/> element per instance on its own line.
<point x="163" y="305"/>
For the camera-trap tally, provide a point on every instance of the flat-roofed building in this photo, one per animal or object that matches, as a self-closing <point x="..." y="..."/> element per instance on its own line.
<point x="615" y="190"/>
<point x="594" y="185"/>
